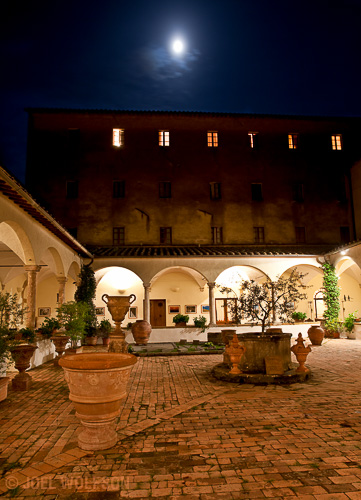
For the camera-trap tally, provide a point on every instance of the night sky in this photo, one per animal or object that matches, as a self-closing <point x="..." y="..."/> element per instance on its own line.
<point x="254" y="56"/>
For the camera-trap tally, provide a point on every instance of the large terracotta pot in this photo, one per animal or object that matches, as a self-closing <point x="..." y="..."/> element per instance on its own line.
<point x="22" y="355"/>
<point x="59" y="342"/>
<point x="4" y="381"/>
<point x="91" y="340"/>
<point x="97" y="384"/>
<point x="118" y="306"/>
<point x="316" y="334"/>
<point x="141" y="330"/>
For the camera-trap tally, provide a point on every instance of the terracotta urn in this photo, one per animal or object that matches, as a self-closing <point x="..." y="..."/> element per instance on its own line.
<point x="4" y="381"/>
<point x="118" y="307"/>
<point x="22" y="355"/>
<point x="141" y="330"/>
<point x="91" y="340"/>
<point x="301" y="352"/>
<point x="60" y="342"/>
<point x="316" y="334"/>
<point x="97" y="384"/>
<point x="235" y="352"/>
<point x="106" y="341"/>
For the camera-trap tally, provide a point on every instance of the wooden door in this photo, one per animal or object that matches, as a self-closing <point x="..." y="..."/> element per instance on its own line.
<point x="158" y="312"/>
<point x="223" y="312"/>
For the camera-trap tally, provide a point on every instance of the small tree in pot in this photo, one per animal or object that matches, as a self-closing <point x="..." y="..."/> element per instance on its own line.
<point x="85" y="293"/>
<point x="73" y="317"/>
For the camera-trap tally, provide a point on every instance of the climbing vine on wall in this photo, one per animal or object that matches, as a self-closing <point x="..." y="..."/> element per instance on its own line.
<point x="331" y="292"/>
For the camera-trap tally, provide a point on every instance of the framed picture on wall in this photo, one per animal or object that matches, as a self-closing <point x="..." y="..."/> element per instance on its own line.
<point x="44" y="311"/>
<point x="191" y="309"/>
<point x="173" y="309"/>
<point x="100" y="311"/>
<point x="205" y="309"/>
<point x="133" y="312"/>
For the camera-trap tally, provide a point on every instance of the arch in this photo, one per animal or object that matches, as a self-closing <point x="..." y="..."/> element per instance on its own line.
<point x="309" y="270"/>
<point x="52" y="258"/>
<point x="343" y="265"/>
<point x="14" y="236"/>
<point x="197" y="276"/>
<point x="120" y="278"/>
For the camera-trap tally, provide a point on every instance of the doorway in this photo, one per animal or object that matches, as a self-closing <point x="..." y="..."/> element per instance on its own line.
<point x="158" y="312"/>
<point x="223" y="311"/>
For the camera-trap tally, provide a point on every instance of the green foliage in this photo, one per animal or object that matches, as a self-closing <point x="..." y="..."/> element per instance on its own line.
<point x="11" y="312"/>
<point x="28" y="334"/>
<point x="300" y="316"/>
<point x="257" y="302"/>
<point x="331" y="295"/>
<point x="349" y="322"/>
<point x="130" y="349"/>
<point x="181" y="318"/>
<point x="49" y="326"/>
<point x="105" y="327"/>
<point x="200" y="322"/>
<point x="85" y="292"/>
<point x="74" y="317"/>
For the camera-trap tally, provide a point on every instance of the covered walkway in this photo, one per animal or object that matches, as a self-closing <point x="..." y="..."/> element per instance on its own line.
<point x="185" y="435"/>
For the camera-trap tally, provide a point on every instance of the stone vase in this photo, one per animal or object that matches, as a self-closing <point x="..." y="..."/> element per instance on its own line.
<point x="141" y="330"/>
<point x="316" y="334"/>
<point x="118" y="307"/>
<point x="60" y="342"/>
<point x="22" y="355"/>
<point x="97" y="384"/>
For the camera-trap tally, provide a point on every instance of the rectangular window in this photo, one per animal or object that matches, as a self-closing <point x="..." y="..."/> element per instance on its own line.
<point x="300" y="234"/>
<point x="212" y="139"/>
<point x="165" y="189"/>
<point x="292" y="141"/>
<point x="118" y="137"/>
<point x="118" y="189"/>
<point x="253" y="140"/>
<point x="72" y="190"/>
<point x="257" y="194"/>
<point x="345" y="234"/>
<point x="336" y="141"/>
<point x="118" y="235"/>
<point x="298" y="193"/>
<point x="165" y="236"/>
<point x="215" y="190"/>
<point x="258" y="233"/>
<point x="217" y="235"/>
<point x="163" y="138"/>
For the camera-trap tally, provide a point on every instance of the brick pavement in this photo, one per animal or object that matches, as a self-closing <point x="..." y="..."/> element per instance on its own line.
<point x="185" y="435"/>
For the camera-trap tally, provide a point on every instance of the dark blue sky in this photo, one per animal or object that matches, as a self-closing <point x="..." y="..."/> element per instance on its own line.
<point x="257" y="56"/>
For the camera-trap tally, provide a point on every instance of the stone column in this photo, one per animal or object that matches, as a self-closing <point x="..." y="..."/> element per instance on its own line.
<point x="31" y="297"/>
<point x="212" y="304"/>
<point x="62" y="281"/>
<point x="146" y="312"/>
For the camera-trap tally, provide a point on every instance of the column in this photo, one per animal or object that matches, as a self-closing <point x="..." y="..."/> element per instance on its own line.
<point x="31" y="297"/>
<point x="212" y="304"/>
<point x="146" y="312"/>
<point x="62" y="281"/>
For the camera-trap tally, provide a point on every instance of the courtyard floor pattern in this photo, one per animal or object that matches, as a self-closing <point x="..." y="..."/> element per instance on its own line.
<point x="183" y="434"/>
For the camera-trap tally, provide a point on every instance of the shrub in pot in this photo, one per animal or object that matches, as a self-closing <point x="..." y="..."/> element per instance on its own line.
<point x="181" y="319"/>
<point x="299" y="316"/>
<point x="349" y="324"/>
<point x="200" y="322"/>
<point x="49" y="327"/>
<point x="105" y="327"/>
<point x="72" y="316"/>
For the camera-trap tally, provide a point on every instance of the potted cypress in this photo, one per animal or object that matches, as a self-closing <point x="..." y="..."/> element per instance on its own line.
<point x="85" y="293"/>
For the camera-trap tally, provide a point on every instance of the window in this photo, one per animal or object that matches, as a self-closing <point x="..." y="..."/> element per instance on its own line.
<point x="257" y="192"/>
<point x="165" y="189"/>
<point x="258" y="233"/>
<point x="217" y="235"/>
<point x="118" y="235"/>
<point x="292" y="141"/>
<point x="298" y="192"/>
<point x="253" y="140"/>
<point x="212" y="138"/>
<point x="300" y="235"/>
<point x="336" y="142"/>
<point x="215" y="190"/>
<point x="165" y="236"/>
<point x="118" y="189"/>
<point x="345" y="234"/>
<point x="163" y="138"/>
<point x="118" y="137"/>
<point x="72" y="190"/>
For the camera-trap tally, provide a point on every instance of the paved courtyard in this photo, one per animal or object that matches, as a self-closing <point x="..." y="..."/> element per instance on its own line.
<point x="183" y="434"/>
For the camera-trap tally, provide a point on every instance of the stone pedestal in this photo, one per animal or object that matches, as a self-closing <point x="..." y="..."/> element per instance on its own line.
<point x="21" y="355"/>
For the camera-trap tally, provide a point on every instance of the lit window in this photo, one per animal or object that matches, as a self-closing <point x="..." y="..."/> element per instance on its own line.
<point x="163" y="138"/>
<point x="118" y="189"/>
<point x="215" y="190"/>
<point x="258" y="233"/>
<point x="253" y="139"/>
<point x="336" y="142"/>
<point x="165" y="235"/>
<point x="72" y="190"/>
<point x="165" y="189"/>
<point x="212" y="138"/>
<point x="118" y="235"/>
<point x="300" y="235"/>
<point x="118" y="137"/>
<point x="292" y="141"/>
<point x="217" y="235"/>
<point x="256" y="190"/>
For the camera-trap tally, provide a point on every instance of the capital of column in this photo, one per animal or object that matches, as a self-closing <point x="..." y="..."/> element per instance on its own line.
<point x="32" y="268"/>
<point x="147" y="286"/>
<point x="61" y="280"/>
<point x="211" y="284"/>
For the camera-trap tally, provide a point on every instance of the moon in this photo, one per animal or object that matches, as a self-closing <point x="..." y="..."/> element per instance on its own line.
<point x="178" y="46"/>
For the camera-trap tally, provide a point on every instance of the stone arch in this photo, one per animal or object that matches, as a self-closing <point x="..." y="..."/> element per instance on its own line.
<point x="196" y="275"/>
<point x="18" y="241"/>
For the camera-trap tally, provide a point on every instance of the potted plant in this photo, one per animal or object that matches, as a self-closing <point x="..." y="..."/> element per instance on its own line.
<point x="333" y="328"/>
<point x="349" y="324"/>
<point x="200" y="322"/>
<point x="85" y="293"/>
<point x="105" y="327"/>
<point x="49" y="327"/>
<point x="298" y="316"/>
<point x="181" y="320"/>
<point x="72" y="316"/>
